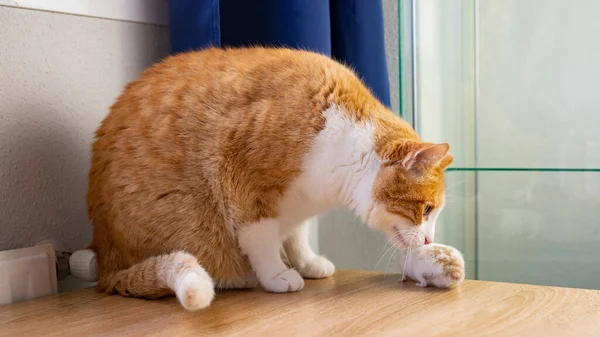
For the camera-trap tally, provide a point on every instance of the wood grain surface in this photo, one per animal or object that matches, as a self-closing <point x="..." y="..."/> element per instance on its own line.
<point x="352" y="303"/>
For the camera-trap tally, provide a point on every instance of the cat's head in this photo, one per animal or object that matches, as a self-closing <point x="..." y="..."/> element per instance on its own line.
<point x="408" y="192"/>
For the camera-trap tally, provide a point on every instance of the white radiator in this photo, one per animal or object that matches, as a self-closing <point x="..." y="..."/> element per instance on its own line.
<point x="27" y="273"/>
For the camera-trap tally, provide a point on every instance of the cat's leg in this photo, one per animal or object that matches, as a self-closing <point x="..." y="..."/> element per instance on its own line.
<point x="302" y="257"/>
<point x="164" y="275"/>
<point x="261" y="242"/>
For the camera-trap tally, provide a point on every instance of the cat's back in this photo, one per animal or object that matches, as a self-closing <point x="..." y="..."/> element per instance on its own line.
<point x="233" y="79"/>
<point x="215" y="94"/>
<point x="219" y="100"/>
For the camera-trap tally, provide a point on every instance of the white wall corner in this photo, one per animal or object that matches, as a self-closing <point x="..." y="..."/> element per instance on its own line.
<point x="143" y="11"/>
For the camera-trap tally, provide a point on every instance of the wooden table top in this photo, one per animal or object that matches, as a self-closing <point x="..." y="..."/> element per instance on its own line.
<point x="352" y="303"/>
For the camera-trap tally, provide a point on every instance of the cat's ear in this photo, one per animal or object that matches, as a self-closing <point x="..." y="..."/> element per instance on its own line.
<point x="428" y="155"/>
<point x="446" y="161"/>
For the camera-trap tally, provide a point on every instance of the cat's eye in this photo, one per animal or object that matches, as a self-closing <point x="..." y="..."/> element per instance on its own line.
<point x="427" y="210"/>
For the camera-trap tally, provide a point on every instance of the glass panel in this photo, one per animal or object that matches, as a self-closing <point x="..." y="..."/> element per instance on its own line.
<point x="538" y="74"/>
<point x="539" y="227"/>
<point x="511" y="85"/>
<point x="456" y="225"/>
<point x="533" y="227"/>
<point x="445" y="108"/>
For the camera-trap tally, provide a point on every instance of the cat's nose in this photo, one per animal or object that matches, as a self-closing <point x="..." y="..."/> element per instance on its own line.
<point x="427" y="240"/>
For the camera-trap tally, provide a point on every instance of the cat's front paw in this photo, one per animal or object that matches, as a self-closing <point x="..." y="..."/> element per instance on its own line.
<point x="286" y="281"/>
<point x="318" y="267"/>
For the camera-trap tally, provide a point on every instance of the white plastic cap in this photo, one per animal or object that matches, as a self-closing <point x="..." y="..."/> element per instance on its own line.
<point x="83" y="265"/>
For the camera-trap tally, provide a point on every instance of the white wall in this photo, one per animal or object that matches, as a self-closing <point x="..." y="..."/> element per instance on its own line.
<point x="59" y="74"/>
<point x="142" y="11"/>
<point x="539" y="104"/>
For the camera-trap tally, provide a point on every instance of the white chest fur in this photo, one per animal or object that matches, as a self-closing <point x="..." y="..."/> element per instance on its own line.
<point x="338" y="170"/>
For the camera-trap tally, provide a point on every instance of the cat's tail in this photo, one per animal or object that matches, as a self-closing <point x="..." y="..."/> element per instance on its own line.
<point x="176" y="273"/>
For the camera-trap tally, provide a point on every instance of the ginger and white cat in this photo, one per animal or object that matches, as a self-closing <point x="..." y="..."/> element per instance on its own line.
<point x="211" y="162"/>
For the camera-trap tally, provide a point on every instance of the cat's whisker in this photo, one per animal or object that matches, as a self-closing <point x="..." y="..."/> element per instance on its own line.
<point x="453" y="195"/>
<point x="385" y="253"/>
<point x="392" y="237"/>
<point x="406" y="259"/>
<point x="449" y="188"/>
<point x="452" y="201"/>
<point x="382" y="256"/>
<point x="388" y="264"/>
<point x="455" y="184"/>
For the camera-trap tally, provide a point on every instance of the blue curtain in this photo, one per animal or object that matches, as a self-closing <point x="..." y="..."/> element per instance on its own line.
<point x="350" y="31"/>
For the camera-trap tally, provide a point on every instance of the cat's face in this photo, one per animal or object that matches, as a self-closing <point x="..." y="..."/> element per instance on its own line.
<point x="408" y="196"/>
